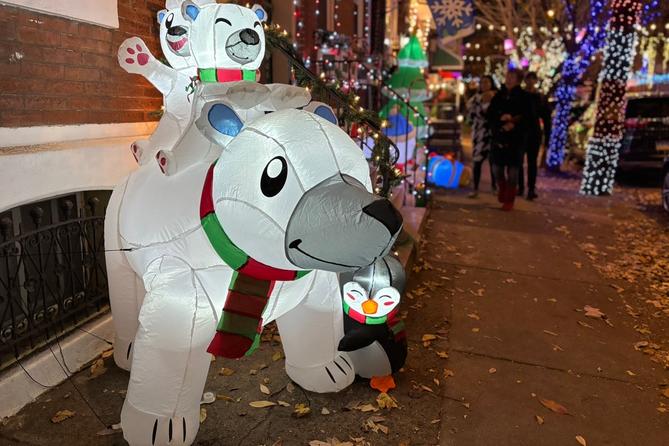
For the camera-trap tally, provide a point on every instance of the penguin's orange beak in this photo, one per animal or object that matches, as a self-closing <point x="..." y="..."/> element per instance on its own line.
<point x="370" y="306"/>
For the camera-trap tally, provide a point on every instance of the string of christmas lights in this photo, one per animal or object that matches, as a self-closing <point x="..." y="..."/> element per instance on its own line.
<point x="604" y="146"/>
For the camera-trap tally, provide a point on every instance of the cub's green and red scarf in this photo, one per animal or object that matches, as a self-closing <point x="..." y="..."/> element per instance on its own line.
<point x="238" y="331"/>
<point x="223" y="75"/>
<point x="395" y="324"/>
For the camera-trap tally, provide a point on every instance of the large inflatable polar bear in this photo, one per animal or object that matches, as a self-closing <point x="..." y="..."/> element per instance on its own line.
<point x="290" y="192"/>
<point x="172" y="81"/>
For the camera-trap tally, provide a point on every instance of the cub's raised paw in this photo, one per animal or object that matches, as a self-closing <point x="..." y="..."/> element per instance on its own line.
<point x="330" y="377"/>
<point x="145" y="429"/>
<point x="134" y="56"/>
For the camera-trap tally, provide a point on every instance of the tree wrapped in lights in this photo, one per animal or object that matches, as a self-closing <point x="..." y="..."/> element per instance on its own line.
<point x="581" y="45"/>
<point x="604" y="145"/>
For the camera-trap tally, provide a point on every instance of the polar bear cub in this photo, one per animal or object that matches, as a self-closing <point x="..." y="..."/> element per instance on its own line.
<point x="172" y="81"/>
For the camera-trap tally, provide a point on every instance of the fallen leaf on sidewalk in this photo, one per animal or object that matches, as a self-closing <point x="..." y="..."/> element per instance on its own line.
<point x="373" y="423"/>
<point x="386" y="401"/>
<point x="550" y="333"/>
<point x="474" y="316"/>
<point x="665" y="392"/>
<point x="325" y="411"/>
<point x="426" y="388"/>
<point x="442" y="354"/>
<point x="448" y="373"/>
<point x="539" y="420"/>
<point x="581" y="440"/>
<point x="226" y="372"/>
<point x="492" y="370"/>
<point x="277" y="356"/>
<point x="593" y="312"/>
<point x="98" y="368"/>
<point x="261" y="404"/>
<point x="366" y="407"/>
<point x="301" y="410"/>
<point x="428" y="337"/>
<point x="62" y="415"/>
<point x="283" y="403"/>
<point x="554" y="406"/>
<point x="583" y="324"/>
<point x="203" y="414"/>
<point x="264" y="389"/>
<point x="630" y="373"/>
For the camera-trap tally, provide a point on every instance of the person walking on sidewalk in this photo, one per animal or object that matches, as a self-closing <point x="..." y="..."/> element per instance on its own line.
<point x="477" y="106"/>
<point x="542" y="115"/>
<point x="509" y="115"/>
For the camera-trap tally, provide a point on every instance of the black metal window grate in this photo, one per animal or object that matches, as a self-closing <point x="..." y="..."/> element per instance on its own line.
<point x="52" y="271"/>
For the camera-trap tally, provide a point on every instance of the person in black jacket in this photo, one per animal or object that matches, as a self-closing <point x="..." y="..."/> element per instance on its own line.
<point x="509" y="116"/>
<point x="534" y="136"/>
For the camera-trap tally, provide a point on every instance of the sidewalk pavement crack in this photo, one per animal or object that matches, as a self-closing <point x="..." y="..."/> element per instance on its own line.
<point x="547" y="367"/>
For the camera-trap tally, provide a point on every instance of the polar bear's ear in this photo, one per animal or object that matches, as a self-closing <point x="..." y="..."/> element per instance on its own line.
<point x="219" y="122"/>
<point x="190" y="10"/>
<point x="260" y="12"/>
<point x="323" y="110"/>
<point x="161" y="15"/>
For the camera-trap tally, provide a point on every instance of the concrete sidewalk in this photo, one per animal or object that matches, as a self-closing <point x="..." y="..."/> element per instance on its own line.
<point x="496" y="322"/>
<point x="518" y="284"/>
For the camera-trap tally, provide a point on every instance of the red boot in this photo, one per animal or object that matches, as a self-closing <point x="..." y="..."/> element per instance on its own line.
<point x="509" y="199"/>
<point x="501" y="190"/>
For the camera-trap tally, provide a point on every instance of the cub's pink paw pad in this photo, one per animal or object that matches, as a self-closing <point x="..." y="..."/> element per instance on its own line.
<point x="142" y="57"/>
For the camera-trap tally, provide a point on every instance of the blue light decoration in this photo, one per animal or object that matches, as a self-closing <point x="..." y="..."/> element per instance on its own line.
<point x="604" y="146"/>
<point x="443" y="172"/>
<point x="581" y="47"/>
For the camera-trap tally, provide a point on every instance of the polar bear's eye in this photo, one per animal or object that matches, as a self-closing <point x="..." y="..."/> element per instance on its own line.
<point x="168" y="22"/>
<point x="274" y="176"/>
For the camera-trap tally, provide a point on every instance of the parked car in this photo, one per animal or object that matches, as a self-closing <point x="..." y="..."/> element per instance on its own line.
<point x="646" y="140"/>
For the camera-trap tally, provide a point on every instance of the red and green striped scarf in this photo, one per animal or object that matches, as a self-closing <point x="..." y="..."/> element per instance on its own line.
<point x="226" y="75"/>
<point x="238" y="331"/>
<point x="395" y="324"/>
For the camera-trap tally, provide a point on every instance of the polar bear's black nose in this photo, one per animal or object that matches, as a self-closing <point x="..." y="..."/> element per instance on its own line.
<point x="177" y="31"/>
<point x="384" y="211"/>
<point x="249" y="36"/>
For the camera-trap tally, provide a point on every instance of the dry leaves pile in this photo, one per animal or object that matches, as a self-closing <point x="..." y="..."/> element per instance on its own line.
<point x="641" y="260"/>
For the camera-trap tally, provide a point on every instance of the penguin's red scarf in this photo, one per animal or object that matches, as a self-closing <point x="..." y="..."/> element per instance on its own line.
<point x="238" y="331"/>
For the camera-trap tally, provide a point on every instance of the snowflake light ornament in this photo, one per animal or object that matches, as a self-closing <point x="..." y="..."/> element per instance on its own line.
<point x="452" y="16"/>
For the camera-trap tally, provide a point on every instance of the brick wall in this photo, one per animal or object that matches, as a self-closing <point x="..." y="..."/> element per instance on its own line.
<point x="55" y="71"/>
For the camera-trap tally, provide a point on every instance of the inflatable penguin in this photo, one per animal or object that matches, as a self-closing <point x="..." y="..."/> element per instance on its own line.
<point x="374" y="335"/>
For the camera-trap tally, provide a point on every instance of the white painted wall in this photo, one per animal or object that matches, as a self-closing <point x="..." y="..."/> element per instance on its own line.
<point x="98" y="12"/>
<point x="34" y="173"/>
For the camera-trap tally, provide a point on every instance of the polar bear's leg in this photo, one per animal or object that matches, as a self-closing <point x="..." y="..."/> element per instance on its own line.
<point x="310" y="334"/>
<point x="125" y="288"/>
<point x="170" y="361"/>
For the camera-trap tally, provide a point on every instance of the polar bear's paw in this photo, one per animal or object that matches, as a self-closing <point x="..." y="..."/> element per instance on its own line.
<point x="145" y="429"/>
<point x="134" y="56"/>
<point x="331" y="377"/>
<point x="140" y="149"/>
